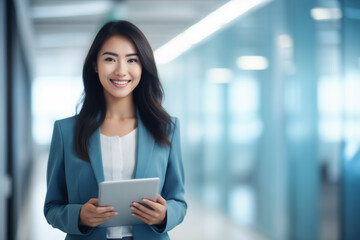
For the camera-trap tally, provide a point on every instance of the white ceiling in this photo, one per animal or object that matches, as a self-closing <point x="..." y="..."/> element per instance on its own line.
<point x="64" y="29"/>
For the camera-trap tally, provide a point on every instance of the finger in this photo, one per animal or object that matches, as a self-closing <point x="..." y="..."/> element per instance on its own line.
<point x="145" y="213"/>
<point x="149" y="208"/>
<point x="160" y="200"/>
<point x="106" y="215"/>
<point x="142" y="208"/>
<point x="142" y="218"/>
<point x="101" y="210"/>
<point x="96" y="211"/>
<point x="151" y="204"/>
<point x="97" y="220"/>
<point x="154" y="205"/>
<point x="94" y="201"/>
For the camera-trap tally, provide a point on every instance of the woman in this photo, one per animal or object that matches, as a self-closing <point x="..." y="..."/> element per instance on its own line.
<point x="121" y="132"/>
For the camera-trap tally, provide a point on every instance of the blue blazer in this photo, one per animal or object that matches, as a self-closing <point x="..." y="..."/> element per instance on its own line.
<point x="71" y="182"/>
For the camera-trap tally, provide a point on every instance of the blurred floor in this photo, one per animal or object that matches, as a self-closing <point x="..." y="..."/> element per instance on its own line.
<point x="330" y="215"/>
<point x="200" y="223"/>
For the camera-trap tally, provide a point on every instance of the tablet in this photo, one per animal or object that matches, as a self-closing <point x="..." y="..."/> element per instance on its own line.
<point x="120" y="194"/>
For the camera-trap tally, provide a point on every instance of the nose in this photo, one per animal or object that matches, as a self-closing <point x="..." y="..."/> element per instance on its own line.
<point x="121" y="68"/>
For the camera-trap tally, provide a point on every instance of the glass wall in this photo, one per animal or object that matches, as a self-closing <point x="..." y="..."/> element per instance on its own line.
<point x="3" y="163"/>
<point x="269" y="114"/>
<point x="16" y="155"/>
<point x="350" y="165"/>
<point x="260" y="104"/>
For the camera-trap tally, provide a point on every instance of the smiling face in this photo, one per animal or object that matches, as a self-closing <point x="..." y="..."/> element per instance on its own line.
<point x="119" y="68"/>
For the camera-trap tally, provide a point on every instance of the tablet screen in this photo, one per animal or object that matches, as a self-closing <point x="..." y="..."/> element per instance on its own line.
<point x="120" y="194"/>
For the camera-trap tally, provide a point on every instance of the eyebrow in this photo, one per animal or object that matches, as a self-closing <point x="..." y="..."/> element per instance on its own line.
<point x="116" y="55"/>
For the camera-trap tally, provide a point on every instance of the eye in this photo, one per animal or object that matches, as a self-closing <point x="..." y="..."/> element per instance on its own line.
<point x="109" y="59"/>
<point x="133" y="60"/>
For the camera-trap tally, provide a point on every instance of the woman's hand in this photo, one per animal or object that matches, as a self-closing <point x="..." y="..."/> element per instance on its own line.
<point x="92" y="215"/>
<point x="155" y="215"/>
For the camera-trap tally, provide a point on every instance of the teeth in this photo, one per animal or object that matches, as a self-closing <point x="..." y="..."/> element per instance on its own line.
<point x="120" y="82"/>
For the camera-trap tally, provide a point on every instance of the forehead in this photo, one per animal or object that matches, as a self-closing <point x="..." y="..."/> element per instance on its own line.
<point x="118" y="44"/>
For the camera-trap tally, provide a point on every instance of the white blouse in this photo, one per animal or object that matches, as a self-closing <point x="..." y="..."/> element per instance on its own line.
<point x="119" y="160"/>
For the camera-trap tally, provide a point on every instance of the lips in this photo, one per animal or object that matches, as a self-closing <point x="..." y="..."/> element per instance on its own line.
<point x="119" y="83"/>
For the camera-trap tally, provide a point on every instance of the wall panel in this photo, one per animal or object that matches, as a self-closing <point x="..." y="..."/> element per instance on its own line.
<point x="3" y="126"/>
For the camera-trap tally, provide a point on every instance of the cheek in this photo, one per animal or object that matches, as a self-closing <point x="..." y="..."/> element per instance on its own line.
<point x="102" y="77"/>
<point x="105" y="69"/>
<point x="103" y="74"/>
<point x="138" y="73"/>
<point x="102" y="81"/>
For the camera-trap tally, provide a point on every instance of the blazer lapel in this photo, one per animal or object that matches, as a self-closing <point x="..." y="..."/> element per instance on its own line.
<point x="144" y="151"/>
<point x="95" y="156"/>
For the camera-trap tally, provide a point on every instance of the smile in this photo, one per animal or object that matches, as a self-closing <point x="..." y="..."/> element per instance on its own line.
<point x="120" y="82"/>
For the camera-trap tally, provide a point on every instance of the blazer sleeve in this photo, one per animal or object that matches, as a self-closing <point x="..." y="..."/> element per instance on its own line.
<point x="173" y="190"/>
<point x="58" y="211"/>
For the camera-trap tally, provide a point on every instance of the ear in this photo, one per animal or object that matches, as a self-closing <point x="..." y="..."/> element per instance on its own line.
<point x="95" y="67"/>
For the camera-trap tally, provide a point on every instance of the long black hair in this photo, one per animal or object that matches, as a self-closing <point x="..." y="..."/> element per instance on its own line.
<point x="147" y="95"/>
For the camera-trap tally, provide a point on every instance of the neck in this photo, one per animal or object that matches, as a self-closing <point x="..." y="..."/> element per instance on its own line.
<point x="120" y="108"/>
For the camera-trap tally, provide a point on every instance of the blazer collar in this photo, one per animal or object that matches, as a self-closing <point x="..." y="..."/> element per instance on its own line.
<point x="95" y="156"/>
<point x="145" y="147"/>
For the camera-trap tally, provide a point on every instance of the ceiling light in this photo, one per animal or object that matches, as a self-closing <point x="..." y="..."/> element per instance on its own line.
<point x="203" y="29"/>
<point x="219" y="75"/>
<point x="71" y="10"/>
<point x="285" y="41"/>
<point x="252" y="63"/>
<point x="323" y="14"/>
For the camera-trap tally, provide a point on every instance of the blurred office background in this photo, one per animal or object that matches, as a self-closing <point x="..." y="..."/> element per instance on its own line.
<point x="267" y="92"/>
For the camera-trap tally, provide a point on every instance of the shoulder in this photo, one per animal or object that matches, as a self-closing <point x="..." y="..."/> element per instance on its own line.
<point x="66" y="123"/>
<point x="64" y="130"/>
<point x="175" y="125"/>
<point x="174" y="120"/>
